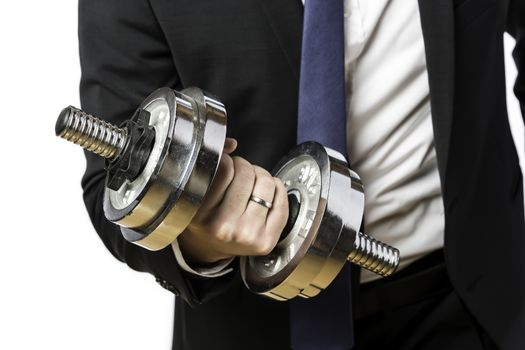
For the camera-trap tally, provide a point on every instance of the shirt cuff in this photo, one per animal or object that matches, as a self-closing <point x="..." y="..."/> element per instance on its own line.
<point x="220" y="268"/>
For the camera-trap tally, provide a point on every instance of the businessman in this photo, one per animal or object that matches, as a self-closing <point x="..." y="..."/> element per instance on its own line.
<point x="426" y="128"/>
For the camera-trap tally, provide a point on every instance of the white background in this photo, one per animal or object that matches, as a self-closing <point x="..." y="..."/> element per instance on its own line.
<point x="59" y="287"/>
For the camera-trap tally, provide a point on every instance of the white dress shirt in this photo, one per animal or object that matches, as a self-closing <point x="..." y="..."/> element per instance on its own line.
<point x="389" y="126"/>
<point x="390" y="140"/>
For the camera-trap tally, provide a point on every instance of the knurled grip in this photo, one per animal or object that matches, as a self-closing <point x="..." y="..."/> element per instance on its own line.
<point x="374" y="255"/>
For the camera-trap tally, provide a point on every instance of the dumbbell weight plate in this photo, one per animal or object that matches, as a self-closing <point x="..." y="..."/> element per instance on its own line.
<point x="313" y="252"/>
<point x="190" y="131"/>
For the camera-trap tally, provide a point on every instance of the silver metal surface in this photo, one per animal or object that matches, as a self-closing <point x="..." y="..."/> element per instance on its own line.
<point x="190" y="133"/>
<point x="325" y="234"/>
<point x="92" y="133"/>
<point x="373" y="255"/>
<point x="261" y="201"/>
<point x="200" y="145"/>
<point x="137" y="203"/>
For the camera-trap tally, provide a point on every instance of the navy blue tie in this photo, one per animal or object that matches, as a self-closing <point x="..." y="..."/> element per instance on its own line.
<point x="325" y="321"/>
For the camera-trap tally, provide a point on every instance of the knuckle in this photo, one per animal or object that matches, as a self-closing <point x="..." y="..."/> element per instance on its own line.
<point x="264" y="247"/>
<point x="280" y="189"/>
<point x="261" y="172"/>
<point x="279" y="183"/>
<point x="266" y="182"/>
<point x="245" y="236"/>
<point x="239" y="161"/>
<point x="243" y="169"/>
<point x="223" y="230"/>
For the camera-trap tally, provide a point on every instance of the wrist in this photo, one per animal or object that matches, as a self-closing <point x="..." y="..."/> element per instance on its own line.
<point x="218" y="269"/>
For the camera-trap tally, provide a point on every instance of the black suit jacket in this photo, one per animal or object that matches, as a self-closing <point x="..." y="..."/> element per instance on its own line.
<point x="248" y="54"/>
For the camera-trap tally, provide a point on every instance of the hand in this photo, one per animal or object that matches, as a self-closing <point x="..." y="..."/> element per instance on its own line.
<point x="228" y="224"/>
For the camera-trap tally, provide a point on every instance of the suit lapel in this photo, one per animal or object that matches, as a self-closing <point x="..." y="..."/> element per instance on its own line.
<point x="437" y="18"/>
<point x="285" y="17"/>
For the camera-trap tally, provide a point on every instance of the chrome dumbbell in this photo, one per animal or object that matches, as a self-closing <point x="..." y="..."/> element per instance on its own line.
<point x="161" y="162"/>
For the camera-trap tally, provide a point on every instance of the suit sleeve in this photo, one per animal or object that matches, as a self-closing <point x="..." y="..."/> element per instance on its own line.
<point x="124" y="57"/>
<point x="516" y="28"/>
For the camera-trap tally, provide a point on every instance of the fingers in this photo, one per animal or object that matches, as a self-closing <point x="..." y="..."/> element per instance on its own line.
<point x="264" y="238"/>
<point x="278" y="215"/>
<point x="264" y="188"/>
<point x="252" y="236"/>
<point x="223" y="178"/>
<point x="228" y="223"/>
<point x="260" y="234"/>
<point x="215" y="194"/>
<point x="238" y="193"/>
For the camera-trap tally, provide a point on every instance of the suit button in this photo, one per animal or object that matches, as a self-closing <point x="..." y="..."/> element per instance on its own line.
<point x="166" y="285"/>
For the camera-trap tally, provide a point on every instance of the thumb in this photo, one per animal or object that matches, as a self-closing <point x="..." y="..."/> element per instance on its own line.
<point x="230" y="145"/>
